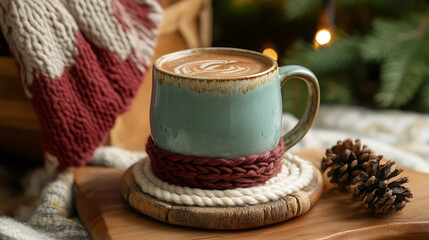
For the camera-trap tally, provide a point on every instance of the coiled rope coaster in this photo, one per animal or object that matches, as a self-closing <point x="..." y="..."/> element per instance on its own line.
<point x="296" y="173"/>
<point x="294" y="189"/>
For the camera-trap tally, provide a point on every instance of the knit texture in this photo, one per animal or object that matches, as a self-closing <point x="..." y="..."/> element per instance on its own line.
<point x="54" y="218"/>
<point x="215" y="173"/>
<point x="81" y="62"/>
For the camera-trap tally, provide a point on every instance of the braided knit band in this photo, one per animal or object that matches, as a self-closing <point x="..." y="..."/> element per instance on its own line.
<point x="215" y="173"/>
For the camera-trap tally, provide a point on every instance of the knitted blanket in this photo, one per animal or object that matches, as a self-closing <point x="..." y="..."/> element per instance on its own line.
<point x="81" y="62"/>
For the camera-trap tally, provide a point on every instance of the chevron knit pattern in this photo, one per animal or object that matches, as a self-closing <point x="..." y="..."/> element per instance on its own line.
<point x="215" y="173"/>
<point x="81" y="62"/>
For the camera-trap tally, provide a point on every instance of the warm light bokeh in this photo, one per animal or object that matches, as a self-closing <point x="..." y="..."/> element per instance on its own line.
<point x="323" y="37"/>
<point x="271" y="53"/>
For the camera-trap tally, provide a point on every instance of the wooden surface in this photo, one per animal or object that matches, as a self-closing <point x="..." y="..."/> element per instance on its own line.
<point x="239" y="217"/>
<point x="336" y="216"/>
<point x="20" y="135"/>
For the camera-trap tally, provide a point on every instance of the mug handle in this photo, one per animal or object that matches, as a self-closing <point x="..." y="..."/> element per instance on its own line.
<point x="298" y="132"/>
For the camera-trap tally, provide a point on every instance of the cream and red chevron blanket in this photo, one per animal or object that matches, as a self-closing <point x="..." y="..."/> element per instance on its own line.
<point x="81" y="62"/>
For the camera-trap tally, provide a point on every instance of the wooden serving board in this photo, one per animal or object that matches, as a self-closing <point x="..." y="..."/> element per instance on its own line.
<point x="235" y="217"/>
<point x="336" y="216"/>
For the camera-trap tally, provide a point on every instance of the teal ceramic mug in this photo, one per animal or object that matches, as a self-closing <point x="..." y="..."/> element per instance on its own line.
<point x="224" y="102"/>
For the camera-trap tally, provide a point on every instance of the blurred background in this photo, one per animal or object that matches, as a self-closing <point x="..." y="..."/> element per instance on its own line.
<point x="367" y="53"/>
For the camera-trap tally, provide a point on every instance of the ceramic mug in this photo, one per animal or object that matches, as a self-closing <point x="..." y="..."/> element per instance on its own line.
<point x="225" y="117"/>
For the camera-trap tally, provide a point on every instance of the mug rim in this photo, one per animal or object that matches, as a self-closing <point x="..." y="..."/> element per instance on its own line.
<point x="158" y="61"/>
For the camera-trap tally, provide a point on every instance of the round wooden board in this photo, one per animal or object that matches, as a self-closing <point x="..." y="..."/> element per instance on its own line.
<point x="239" y="217"/>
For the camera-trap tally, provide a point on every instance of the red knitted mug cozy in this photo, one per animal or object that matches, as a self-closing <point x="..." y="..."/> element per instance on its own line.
<point x="215" y="173"/>
<point x="81" y="63"/>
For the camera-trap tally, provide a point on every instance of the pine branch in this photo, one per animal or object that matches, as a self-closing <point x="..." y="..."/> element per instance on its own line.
<point x="296" y="9"/>
<point x="400" y="78"/>
<point x="387" y="37"/>
<point x="405" y="68"/>
<point x="340" y="55"/>
<point x="401" y="47"/>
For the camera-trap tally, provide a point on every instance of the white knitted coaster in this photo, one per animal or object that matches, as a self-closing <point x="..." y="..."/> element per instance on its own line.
<point x="295" y="174"/>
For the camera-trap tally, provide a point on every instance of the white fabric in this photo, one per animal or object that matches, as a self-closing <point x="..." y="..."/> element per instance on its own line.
<point x="115" y="157"/>
<point x="11" y="229"/>
<point x="397" y="135"/>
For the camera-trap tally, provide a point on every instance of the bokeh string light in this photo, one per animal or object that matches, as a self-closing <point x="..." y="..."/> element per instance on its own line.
<point x="324" y="34"/>
<point x="271" y="53"/>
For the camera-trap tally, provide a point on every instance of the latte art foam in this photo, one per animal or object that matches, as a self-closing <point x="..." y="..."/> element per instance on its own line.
<point x="217" y="65"/>
<point x="212" y="66"/>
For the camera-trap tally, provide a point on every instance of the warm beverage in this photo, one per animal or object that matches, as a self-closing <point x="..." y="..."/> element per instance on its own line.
<point x="223" y="102"/>
<point x="217" y="64"/>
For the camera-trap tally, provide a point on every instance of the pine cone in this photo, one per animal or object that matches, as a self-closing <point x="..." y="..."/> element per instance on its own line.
<point x="345" y="161"/>
<point x="375" y="190"/>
